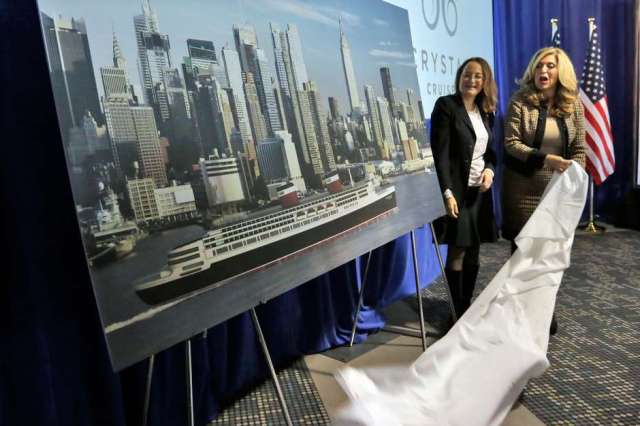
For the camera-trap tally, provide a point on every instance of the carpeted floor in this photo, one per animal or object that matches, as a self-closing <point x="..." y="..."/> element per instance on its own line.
<point x="594" y="378"/>
<point x="261" y="406"/>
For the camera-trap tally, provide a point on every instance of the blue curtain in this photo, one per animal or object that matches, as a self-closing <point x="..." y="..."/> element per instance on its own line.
<point x="522" y="27"/>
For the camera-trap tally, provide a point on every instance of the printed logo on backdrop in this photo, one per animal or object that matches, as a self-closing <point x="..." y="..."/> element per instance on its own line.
<point x="449" y="14"/>
<point x="444" y="34"/>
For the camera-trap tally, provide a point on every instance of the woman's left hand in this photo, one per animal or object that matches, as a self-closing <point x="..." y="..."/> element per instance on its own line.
<point x="486" y="180"/>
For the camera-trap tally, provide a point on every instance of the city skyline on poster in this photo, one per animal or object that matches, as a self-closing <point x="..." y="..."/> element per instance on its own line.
<point x="207" y="141"/>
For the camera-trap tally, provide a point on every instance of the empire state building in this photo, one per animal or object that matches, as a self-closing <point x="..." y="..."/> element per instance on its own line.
<point x="349" y="73"/>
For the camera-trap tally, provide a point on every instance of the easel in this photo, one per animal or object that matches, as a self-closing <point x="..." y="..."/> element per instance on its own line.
<point x="189" y="377"/>
<point x="406" y="330"/>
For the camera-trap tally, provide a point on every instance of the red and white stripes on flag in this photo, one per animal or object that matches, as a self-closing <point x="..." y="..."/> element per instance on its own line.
<point x="601" y="161"/>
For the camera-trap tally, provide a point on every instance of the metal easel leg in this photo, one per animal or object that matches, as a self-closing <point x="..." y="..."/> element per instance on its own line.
<point x="189" y="374"/>
<point x="147" y="393"/>
<point x="418" y="296"/>
<point x="444" y="275"/>
<point x="360" y="298"/>
<point x="265" y="351"/>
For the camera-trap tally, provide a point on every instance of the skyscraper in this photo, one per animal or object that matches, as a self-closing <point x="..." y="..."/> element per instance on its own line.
<point x="413" y="102"/>
<point x="143" y="200"/>
<point x="122" y="134"/>
<point x="287" y="77"/>
<point x="271" y="159"/>
<point x="258" y="125"/>
<point x="334" y="108"/>
<point x="253" y="60"/>
<point x="279" y="39"/>
<point x="234" y="77"/>
<point x="320" y="126"/>
<point x="244" y="37"/>
<point x="382" y="107"/>
<point x="279" y="161"/>
<point x="202" y="63"/>
<point x="202" y="52"/>
<point x="157" y="57"/>
<point x="149" y="145"/>
<point x="310" y="141"/>
<point x="71" y="70"/>
<point x="114" y="78"/>
<point x="296" y="56"/>
<point x="387" y="87"/>
<point x="374" y="116"/>
<point x="147" y="22"/>
<point x="268" y="102"/>
<point x="291" y="161"/>
<point x="349" y="73"/>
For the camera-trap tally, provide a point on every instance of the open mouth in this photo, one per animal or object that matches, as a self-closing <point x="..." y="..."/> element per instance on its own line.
<point x="544" y="79"/>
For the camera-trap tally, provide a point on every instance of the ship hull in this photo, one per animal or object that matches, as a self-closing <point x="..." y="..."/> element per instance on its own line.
<point x="266" y="254"/>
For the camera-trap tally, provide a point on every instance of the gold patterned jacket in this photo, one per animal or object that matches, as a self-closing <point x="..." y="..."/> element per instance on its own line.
<point x="520" y="129"/>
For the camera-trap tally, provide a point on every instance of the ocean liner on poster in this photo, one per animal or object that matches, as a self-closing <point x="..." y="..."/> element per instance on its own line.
<point x="255" y="242"/>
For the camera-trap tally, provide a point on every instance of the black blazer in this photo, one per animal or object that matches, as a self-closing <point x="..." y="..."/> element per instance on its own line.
<point x="452" y="144"/>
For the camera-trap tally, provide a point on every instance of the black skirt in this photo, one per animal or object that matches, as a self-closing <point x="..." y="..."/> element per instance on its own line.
<point x="475" y="223"/>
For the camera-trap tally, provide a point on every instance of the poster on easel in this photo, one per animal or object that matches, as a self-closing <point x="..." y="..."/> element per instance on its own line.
<point x="222" y="153"/>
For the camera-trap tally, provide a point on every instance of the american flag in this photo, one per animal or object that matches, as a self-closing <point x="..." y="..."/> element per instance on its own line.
<point x="601" y="160"/>
<point x="555" y="33"/>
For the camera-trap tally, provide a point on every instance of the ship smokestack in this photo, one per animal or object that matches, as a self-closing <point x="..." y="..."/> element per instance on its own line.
<point x="288" y="195"/>
<point x="332" y="182"/>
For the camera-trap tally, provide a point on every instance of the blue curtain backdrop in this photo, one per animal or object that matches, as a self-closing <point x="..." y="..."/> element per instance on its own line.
<point x="522" y="27"/>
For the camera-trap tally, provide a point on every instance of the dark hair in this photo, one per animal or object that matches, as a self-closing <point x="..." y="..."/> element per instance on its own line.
<point x="487" y="99"/>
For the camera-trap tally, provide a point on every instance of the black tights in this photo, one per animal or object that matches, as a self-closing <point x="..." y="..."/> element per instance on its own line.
<point x="459" y="257"/>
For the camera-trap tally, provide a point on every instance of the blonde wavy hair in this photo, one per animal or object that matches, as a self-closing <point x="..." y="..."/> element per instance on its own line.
<point x="566" y="90"/>
<point x="487" y="99"/>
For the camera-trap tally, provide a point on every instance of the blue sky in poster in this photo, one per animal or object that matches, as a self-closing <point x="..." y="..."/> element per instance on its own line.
<point x="378" y="32"/>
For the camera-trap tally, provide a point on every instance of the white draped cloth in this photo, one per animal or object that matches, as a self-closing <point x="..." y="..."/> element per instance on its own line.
<point x="474" y="374"/>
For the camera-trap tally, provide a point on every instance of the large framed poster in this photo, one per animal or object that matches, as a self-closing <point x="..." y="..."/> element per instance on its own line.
<point x="221" y="153"/>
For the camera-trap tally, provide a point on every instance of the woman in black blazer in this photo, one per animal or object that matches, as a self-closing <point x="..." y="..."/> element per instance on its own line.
<point x="461" y="137"/>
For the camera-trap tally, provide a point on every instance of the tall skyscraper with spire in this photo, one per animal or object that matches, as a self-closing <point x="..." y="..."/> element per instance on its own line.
<point x="114" y="78"/>
<point x="147" y="22"/>
<point x="349" y="73"/>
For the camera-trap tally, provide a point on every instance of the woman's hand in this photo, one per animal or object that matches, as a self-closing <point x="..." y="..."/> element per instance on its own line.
<point x="556" y="163"/>
<point x="452" y="207"/>
<point x="486" y="180"/>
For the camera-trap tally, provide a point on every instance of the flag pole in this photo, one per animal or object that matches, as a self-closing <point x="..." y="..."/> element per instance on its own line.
<point x="591" y="227"/>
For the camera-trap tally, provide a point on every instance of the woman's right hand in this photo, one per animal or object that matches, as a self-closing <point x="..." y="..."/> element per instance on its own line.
<point x="452" y="207"/>
<point x="556" y="163"/>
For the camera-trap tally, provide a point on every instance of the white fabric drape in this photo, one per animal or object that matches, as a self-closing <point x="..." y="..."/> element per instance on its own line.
<point x="474" y="374"/>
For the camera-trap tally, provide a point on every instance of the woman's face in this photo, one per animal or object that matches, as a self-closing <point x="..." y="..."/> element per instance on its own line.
<point x="546" y="73"/>
<point x="471" y="80"/>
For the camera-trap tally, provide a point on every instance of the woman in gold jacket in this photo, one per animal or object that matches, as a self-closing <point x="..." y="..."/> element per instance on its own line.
<point x="544" y="131"/>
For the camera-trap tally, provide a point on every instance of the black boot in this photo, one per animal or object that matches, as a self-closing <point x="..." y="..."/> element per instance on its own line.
<point x="454" y="279"/>
<point x="469" y="276"/>
<point x="553" y="328"/>
<point x="470" y="267"/>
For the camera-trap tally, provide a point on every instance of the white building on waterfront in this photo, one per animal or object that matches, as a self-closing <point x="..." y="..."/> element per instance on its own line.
<point x="176" y="202"/>
<point x="143" y="200"/>
<point x="222" y="179"/>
